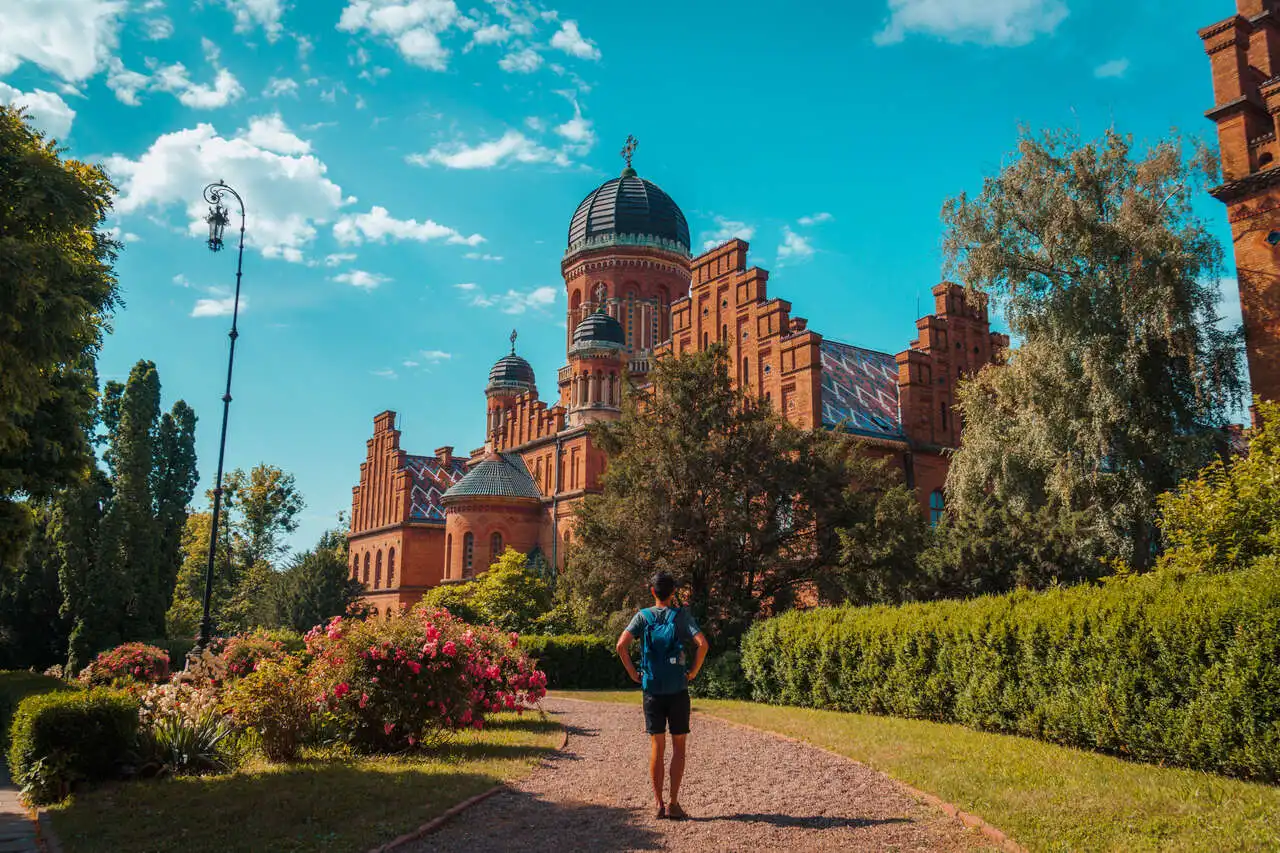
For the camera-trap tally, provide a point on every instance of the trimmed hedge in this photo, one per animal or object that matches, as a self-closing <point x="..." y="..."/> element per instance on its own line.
<point x="16" y="685"/>
<point x="1169" y="668"/>
<point x="61" y="738"/>
<point x="577" y="661"/>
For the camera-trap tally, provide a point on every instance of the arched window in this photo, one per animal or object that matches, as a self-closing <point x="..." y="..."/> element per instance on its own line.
<point x="937" y="505"/>
<point x="706" y="340"/>
<point x="745" y="375"/>
<point x="944" y="414"/>
<point x="495" y="547"/>
<point x="366" y="568"/>
<point x="448" y="554"/>
<point x="373" y="611"/>
<point x="468" y="547"/>
<point x="377" y="571"/>
<point x="391" y="567"/>
<point x="355" y="567"/>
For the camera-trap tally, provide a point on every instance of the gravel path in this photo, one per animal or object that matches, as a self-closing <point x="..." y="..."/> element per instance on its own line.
<point x="744" y="790"/>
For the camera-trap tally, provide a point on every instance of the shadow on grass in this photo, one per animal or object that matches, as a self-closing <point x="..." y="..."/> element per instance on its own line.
<point x="348" y="805"/>
<point x="542" y="824"/>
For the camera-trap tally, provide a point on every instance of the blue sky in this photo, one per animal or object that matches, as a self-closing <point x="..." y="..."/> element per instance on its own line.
<point x="410" y="168"/>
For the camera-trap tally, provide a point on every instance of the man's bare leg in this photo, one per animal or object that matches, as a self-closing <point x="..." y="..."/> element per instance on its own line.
<point x="657" y="754"/>
<point x="677" y="766"/>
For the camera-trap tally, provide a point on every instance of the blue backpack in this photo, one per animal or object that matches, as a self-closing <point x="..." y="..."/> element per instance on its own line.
<point x="661" y="654"/>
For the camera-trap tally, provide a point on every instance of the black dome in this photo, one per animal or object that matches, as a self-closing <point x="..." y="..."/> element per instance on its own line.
<point x="599" y="327"/>
<point x="628" y="206"/>
<point x="511" y="370"/>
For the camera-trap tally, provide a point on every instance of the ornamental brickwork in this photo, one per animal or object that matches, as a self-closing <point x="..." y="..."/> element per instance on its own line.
<point x="1244" y="60"/>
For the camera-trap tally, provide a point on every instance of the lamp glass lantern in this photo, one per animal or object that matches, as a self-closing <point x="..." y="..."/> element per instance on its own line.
<point x="217" y="220"/>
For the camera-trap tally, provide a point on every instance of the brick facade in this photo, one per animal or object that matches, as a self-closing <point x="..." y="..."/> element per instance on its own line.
<point x="666" y="304"/>
<point x="1244" y="59"/>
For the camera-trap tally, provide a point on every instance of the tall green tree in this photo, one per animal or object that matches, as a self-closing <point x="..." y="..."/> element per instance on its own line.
<point x="129" y="525"/>
<point x="316" y="585"/>
<point x="710" y="484"/>
<point x="1108" y="279"/>
<point x="93" y="594"/>
<point x="264" y="505"/>
<point x="33" y="632"/>
<point x="175" y="477"/>
<point x="57" y="291"/>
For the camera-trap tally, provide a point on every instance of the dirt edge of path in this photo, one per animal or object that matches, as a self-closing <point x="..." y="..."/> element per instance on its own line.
<point x="967" y="819"/>
<point x="449" y="814"/>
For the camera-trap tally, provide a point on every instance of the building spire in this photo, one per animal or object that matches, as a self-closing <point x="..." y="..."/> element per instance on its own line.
<point x="628" y="150"/>
<point x="513" y="341"/>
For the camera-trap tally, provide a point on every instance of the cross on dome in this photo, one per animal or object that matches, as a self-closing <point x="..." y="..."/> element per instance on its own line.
<point x="513" y="341"/>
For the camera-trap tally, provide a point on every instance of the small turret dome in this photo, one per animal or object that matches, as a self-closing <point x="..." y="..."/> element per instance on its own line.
<point x="599" y="328"/>
<point x="511" y="373"/>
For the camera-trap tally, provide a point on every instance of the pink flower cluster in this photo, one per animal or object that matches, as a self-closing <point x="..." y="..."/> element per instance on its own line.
<point x="131" y="663"/>
<point x="397" y="684"/>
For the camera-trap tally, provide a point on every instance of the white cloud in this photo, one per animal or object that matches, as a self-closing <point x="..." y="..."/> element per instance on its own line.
<point x="571" y="42"/>
<point x="181" y="280"/>
<point x="492" y="34"/>
<point x="269" y="132"/>
<point x="360" y="278"/>
<point x="477" y="256"/>
<point x="1114" y="68"/>
<point x="435" y="356"/>
<point x="513" y="146"/>
<point x="378" y="225"/>
<point x="338" y="259"/>
<point x="258" y="13"/>
<point x="511" y="302"/>
<point x="159" y="29"/>
<point x="413" y="26"/>
<point x="535" y="124"/>
<point x="288" y="195"/>
<point x="523" y="61"/>
<point x="217" y="307"/>
<point x="728" y="229"/>
<point x="793" y="247"/>
<point x="1229" y="316"/>
<point x="278" y="87"/>
<point x="115" y="232"/>
<point x="385" y="373"/>
<point x="69" y="38"/>
<point x="47" y="111"/>
<point x="407" y="363"/>
<point x="577" y="131"/>
<point x="1005" y="23"/>
<point x="815" y="219"/>
<point x="174" y="79"/>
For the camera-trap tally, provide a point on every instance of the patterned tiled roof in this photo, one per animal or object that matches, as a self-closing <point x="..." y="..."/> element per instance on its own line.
<point x="504" y="475"/>
<point x="430" y="481"/>
<point x="860" y="391"/>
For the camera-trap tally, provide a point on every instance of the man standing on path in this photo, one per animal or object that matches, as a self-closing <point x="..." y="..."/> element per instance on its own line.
<point x="662" y="631"/>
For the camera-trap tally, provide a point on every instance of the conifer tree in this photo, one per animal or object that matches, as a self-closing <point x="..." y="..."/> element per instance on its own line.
<point x="93" y="593"/>
<point x="175" y="479"/>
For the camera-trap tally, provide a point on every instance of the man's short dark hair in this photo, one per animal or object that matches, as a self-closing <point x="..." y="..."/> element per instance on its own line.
<point x="663" y="585"/>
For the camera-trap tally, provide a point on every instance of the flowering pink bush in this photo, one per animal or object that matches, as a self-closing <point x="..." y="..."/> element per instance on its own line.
<point x="131" y="663"/>
<point x="242" y="653"/>
<point x="410" y="681"/>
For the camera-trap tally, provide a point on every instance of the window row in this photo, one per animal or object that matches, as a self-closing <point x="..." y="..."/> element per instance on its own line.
<point x="468" y="552"/>
<point x="377" y="569"/>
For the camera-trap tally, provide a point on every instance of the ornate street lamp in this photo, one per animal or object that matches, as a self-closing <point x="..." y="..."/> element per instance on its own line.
<point x="218" y="219"/>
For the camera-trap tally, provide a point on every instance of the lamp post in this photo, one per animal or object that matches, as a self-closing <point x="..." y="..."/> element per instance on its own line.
<point x="218" y="218"/>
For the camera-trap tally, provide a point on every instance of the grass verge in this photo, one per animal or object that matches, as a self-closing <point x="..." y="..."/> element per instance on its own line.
<point x="1046" y="797"/>
<point x="319" y="804"/>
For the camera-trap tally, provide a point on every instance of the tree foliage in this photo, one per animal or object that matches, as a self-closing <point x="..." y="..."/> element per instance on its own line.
<point x="510" y="594"/>
<point x="316" y="585"/>
<point x="1228" y="515"/>
<point x="710" y="484"/>
<point x="57" y="291"/>
<point x="1109" y="281"/>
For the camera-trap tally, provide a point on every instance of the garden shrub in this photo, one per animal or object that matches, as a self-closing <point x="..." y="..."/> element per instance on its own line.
<point x="130" y="663"/>
<point x="17" y="685"/>
<point x="1169" y="667"/>
<point x="721" y="678"/>
<point x="277" y="700"/>
<point x="62" y="738"/>
<point x="185" y="731"/>
<point x="410" y="681"/>
<point x="577" y="662"/>
<point x="509" y="594"/>
<point x="242" y="653"/>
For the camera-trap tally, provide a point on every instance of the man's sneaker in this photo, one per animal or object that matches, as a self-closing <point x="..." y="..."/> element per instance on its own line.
<point x="675" y="812"/>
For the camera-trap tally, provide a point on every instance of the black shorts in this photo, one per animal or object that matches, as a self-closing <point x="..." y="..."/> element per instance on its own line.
<point x="661" y="711"/>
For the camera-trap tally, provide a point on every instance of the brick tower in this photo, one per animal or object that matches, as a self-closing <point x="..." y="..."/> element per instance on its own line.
<point x="1244" y="53"/>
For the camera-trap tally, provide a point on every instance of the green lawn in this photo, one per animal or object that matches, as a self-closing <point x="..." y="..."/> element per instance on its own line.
<point x="1046" y="797"/>
<point x="335" y="805"/>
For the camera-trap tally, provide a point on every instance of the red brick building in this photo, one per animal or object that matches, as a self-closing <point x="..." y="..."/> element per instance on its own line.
<point x="1244" y="55"/>
<point x="636" y="293"/>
